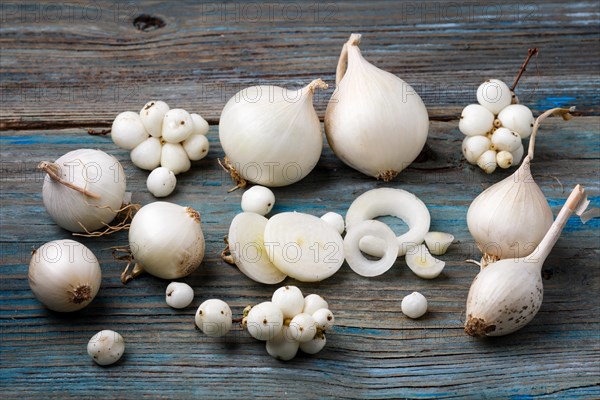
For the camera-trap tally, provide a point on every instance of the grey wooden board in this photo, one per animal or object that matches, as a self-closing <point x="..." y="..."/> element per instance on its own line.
<point x="90" y="63"/>
<point x="374" y="351"/>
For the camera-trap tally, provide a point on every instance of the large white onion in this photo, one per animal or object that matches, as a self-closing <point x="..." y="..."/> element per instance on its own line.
<point x="272" y="135"/>
<point x="375" y="122"/>
<point x="94" y="172"/>
<point x="166" y="240"/>
<point x="64" y="275"/>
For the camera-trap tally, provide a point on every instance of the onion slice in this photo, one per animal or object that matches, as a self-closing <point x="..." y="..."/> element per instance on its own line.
<point x="247" y="248"/>
<point x="422" y="263"/>
<point x="303" y="246"/>
<point x="397" y="203"/>
<point x="438" y="242"/>
<point x="357" y="261"/>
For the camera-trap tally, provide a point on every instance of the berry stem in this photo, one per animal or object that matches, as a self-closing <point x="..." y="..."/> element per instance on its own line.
<point x="102" y="132"/>
<point x="530" y="53"/>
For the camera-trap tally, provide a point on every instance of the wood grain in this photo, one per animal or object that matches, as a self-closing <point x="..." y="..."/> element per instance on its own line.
<point x="207" y="52"/>
<point x="374" y="351"/>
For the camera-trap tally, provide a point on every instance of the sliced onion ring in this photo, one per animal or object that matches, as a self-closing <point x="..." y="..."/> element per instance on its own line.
<point x="357" y="261"/>
<point x="397" y="203"/>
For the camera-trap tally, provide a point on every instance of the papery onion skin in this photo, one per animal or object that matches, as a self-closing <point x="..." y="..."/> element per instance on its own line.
<point x="510" y="218"/>
<point x="375" y="122"/>
<point x="95" y="171"/>
<point x="64" y="275"/>
<point x="271" y="135"/>
<point x="167" y="240"/>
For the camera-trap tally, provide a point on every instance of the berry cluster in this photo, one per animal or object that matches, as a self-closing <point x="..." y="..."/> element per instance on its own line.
<point x="161" y="137"/>
<point x="495" y="127"/>
<point x="287" y="323"/>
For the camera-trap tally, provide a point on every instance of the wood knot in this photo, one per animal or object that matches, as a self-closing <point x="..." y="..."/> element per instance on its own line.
<point x="146" y="23"/>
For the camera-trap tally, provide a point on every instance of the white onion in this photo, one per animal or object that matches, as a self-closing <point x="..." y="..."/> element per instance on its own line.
<point x="64" y="275"/>
<point x="395" y="202"/>
<point x="303" y="246"/>
<point x="354" y="257"/>
<point x="174" y="157"/>
<point x="91" y="192"/>
<point x="166" y="240"/>
<point x="246" y="245"/>
<point x="375" y="122"/>
<point x="271" y="135"/>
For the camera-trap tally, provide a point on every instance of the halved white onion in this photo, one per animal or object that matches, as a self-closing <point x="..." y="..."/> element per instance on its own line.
<point x="357" y="261"/>
<point x="397" y="203"/>
<point x="248" y="250"/>
<point x="303" y="246"/>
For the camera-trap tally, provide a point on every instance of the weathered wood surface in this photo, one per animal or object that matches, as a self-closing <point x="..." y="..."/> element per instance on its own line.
<point x="81" y="65"/>
<point x="373" y="352"/>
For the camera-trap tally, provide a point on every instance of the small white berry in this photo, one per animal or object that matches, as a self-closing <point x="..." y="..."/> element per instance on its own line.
<point x="177" y="125"/>
<point x="283" y="346"/>
<point x="264" y="321"/>
<point x="258" y="199"/>
<point x="504" y="159"/>
<point x="494" y="95"/>
<point x="517" y="118"/>
<point x="147" y="154"/>
<point x="487" y="161"/>
<point x="517" y="155"/>
<point x="196" y="147"/>
<point x="152" y="115"/>
<point x="324" y="318"/>
<point x="161" y="182"/>
<point x="414" y="305"/>
<point x="200" y="125"/>
<point x="127" y="130"/>
<point x="179" y="295"/>
<point x="335" y="220"/>
<point x="174" y="157"/>
<point x="314" y="345"/>
<point x="475" y="120"/>
<point x="213" y="317"/>
<point x="505" y="139"/>
<point x="303" y="327"/>
<point x="314" y="302"/>
<point x="289" y="299"/>
<point x="106" y="347"/>
<point x="474" y="146"/>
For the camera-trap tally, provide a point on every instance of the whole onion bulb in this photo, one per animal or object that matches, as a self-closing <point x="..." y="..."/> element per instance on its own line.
<point x="271" y="135"/>
<point x="166" y="241"/>
<point x="375" y="122"/>
<point x="83" y="190"/>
